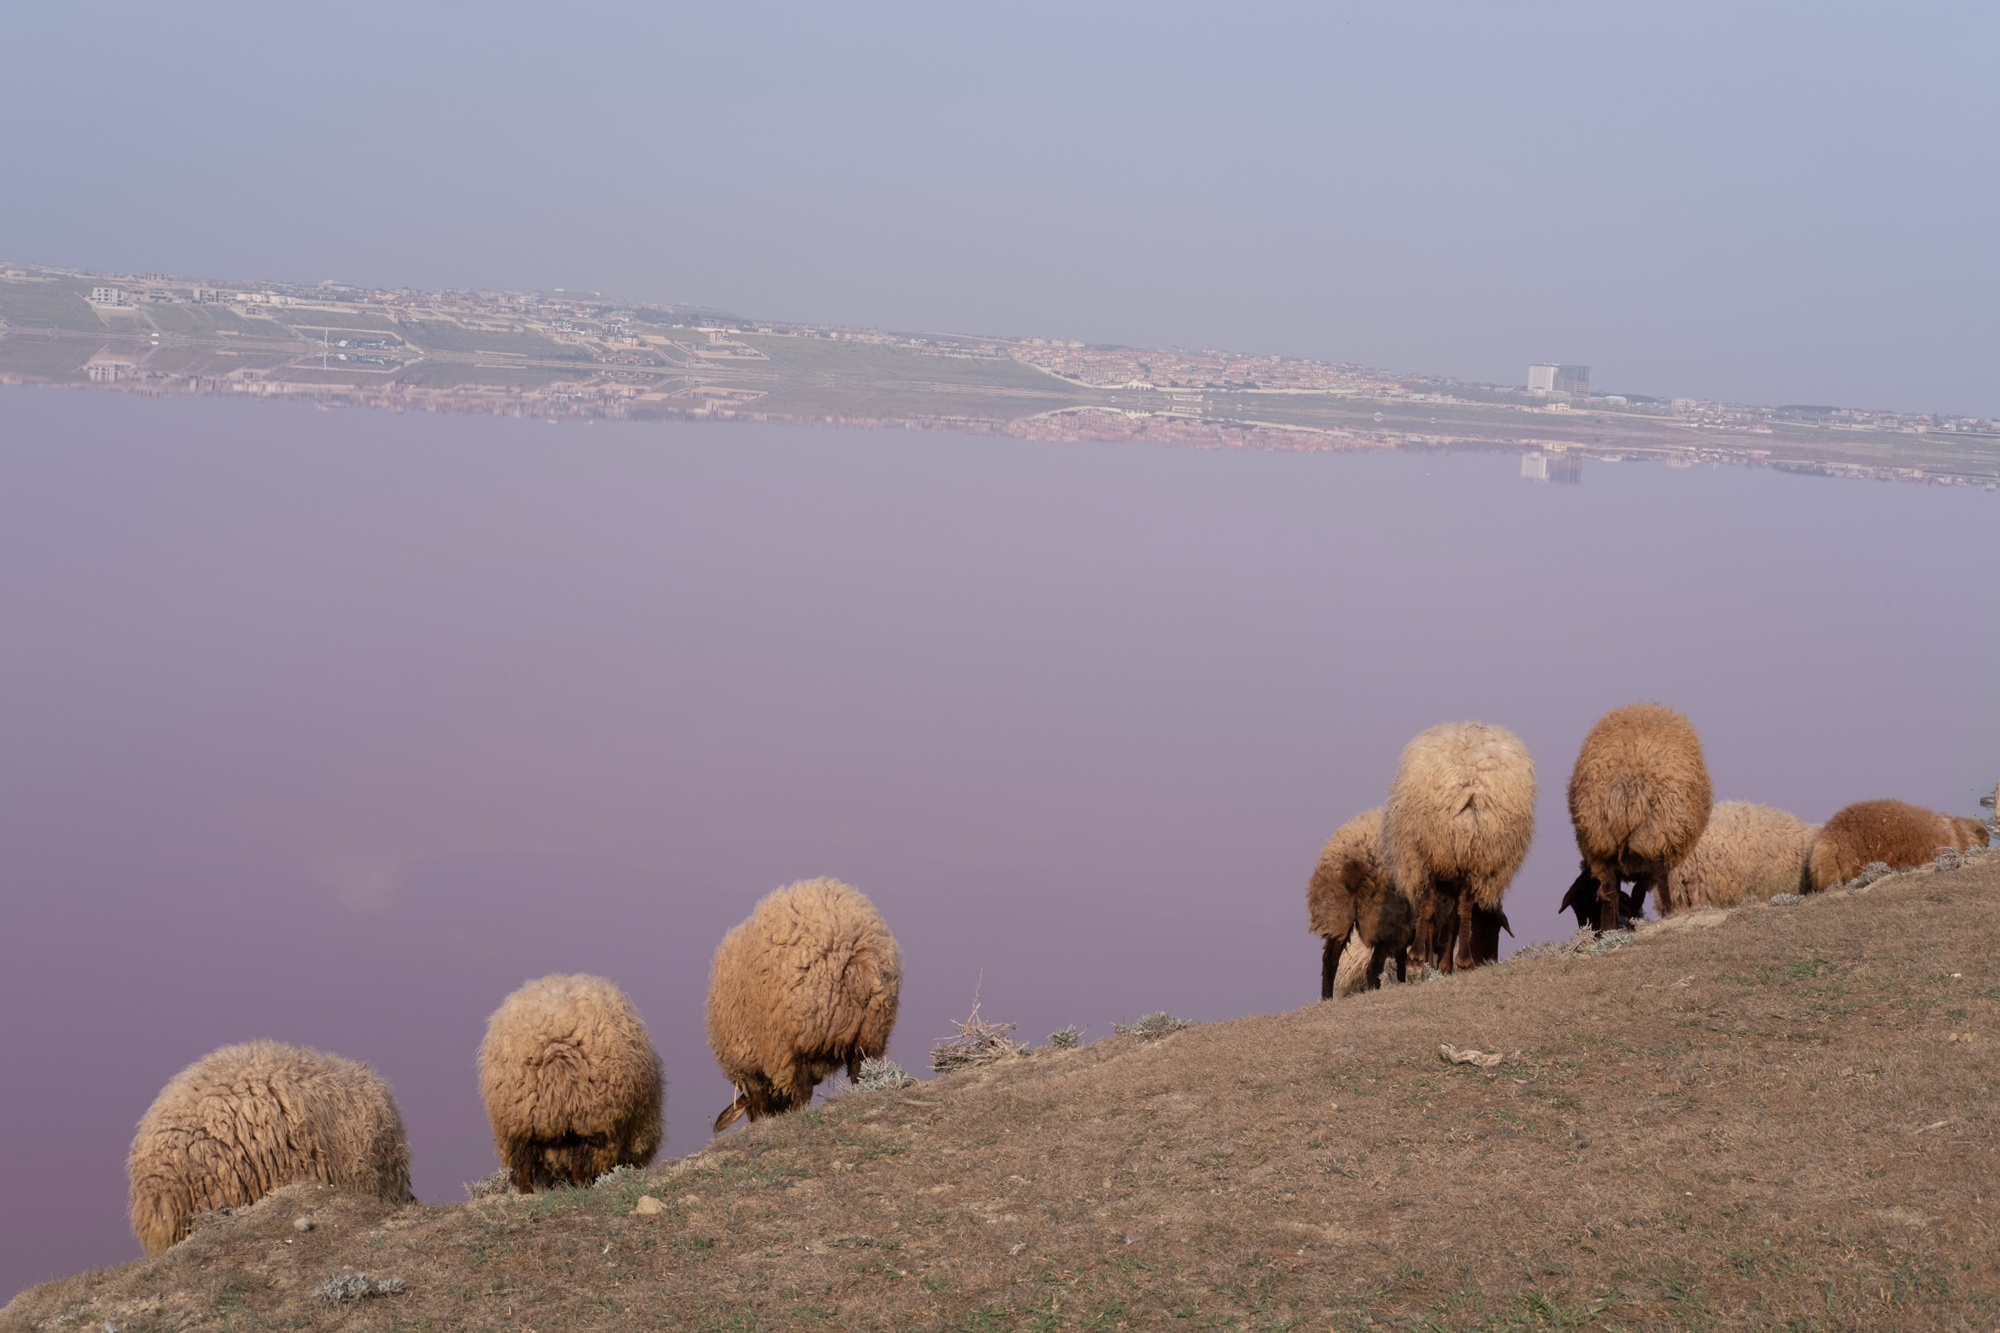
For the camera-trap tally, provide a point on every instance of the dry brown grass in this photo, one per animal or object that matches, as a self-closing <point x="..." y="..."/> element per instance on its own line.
<point x="1765" y="1119"/>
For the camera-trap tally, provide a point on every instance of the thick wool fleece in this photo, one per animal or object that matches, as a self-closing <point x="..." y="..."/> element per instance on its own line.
<point x="806" y="985"/>
<point x="1747" y="852"/>
<point x="1639" y="797"/>
<point x="1349" y="869"/>
<point x="1896" y="833"/>
<point x="571" y="1082"/>
<point x="1461" y="812"/>
<point x="245" y="1120"/>
<point x="1350" y="895"/>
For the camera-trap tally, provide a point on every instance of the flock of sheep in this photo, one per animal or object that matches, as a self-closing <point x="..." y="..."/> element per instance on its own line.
<point x="1422" y="877"/>
<point x="809" y="982"/>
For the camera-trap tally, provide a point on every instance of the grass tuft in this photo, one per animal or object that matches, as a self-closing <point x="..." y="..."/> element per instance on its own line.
<point x="357" y="1286"/>
<point x="976" y="1043"/>
<point x="882" y="1076"/>
<point x="1153" y="1026"/>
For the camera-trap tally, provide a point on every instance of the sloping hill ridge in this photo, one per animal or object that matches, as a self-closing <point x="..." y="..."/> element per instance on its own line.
<point x="1769" y="1119"/>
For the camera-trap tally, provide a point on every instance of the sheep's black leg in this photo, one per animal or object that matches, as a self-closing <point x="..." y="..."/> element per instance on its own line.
<point x="1468" y="930"/>
<point x="1444" y="942"/>
<point x="1329" y="965"/>
<point x="1655" y="885"/>
<point x="1402" y="965"/>
<point x="1608" y="899"/>
<point x="1376" y="958"/>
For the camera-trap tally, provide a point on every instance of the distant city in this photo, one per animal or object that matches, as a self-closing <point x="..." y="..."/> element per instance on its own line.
<point x="566" y="356"/>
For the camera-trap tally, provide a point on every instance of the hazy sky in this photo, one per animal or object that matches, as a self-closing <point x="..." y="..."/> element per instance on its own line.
<point x="1785" y="203"/>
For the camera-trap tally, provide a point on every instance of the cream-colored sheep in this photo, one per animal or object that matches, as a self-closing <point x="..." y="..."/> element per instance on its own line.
<point x="1639" y="798"/>
<point x="571" y="1082"/>
<point x="1350" y="896"/>
<point x="1460" y="816"/>
<point x="245" y="1120"/>
<point x="1747" y="852"/>
<point x="806" y="985"/>
<point x="1896" y="833"/>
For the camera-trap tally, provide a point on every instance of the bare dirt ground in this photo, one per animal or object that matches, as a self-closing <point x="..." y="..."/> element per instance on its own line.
<point x="1780" y="1117"/>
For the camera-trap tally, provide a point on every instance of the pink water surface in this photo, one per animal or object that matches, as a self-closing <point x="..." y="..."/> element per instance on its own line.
<point x="335" y="727"/>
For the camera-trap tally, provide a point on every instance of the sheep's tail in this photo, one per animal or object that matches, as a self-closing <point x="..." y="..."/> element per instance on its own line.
<point x="732" y="1113"/>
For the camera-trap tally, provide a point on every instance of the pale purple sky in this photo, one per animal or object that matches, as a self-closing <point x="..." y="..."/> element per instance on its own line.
<point x="1781" y="203"/>
<point x="335" y="727"/>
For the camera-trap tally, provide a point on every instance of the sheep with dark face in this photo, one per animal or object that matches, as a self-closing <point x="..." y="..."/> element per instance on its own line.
<point x="244" y="1120"/>
<point x="1350" y="897"/>
<point x="1748" y="852"/>
<point x="1460" y="816"/>
<point x="1896" y="833"/>
<point x="1581" y="898"/>
<point x="1639" y="798"/>
<point x="571" y="1082"/>
<point x="809" y="983"/>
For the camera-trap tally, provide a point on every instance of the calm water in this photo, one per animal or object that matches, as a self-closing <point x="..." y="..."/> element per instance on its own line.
<point x="333" y="728"/>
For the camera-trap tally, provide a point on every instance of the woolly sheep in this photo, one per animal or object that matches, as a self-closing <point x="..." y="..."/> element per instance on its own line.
<point x="806" y="984"/>
<point x="1748" y="851"/>
<point x="1349" y="896"/>
<point x="571" y="1082"/>
<point x="1639" y="798"/>
<point x="244" y="1120"/>
<point x="1894" y="832"/>
<point x="1460" y="816"/>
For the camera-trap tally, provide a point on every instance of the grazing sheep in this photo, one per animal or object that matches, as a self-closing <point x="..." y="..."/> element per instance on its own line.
<point x="572" y="1084"/>
<point x="244" y="1120"/>
<point x="1349" y="895"/>
<point x="1639" y="798"/>
<point x="1581" y="898"/>
<point x="1895" y="833"/>
<point x="1748" y="851"/>
<point x="1460" y="816"/>
<point x="806" y="984"/>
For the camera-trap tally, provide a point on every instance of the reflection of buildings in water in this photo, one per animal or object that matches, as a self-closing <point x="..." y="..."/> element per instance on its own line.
<point x="1565" y="468"/>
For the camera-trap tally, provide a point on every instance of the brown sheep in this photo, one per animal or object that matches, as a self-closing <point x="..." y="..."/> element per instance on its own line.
<point x="1460" y="816"/>
<point x="1748" y="851"/>
<point x="1895" y="833"/>
<point x="1349" y="895"/>
<point x="807" y="984"/>
<point x="1639" y="798"/>
<point x="244" y="1120"/>
<point x="571" y="1082"/>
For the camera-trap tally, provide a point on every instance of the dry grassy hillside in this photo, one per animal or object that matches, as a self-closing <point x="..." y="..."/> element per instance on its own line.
<point x="1780" y="1118"/>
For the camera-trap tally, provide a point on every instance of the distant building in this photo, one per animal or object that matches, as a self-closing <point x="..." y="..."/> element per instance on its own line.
<point x="1534" y="467"/>
<point x="106" y="296"/>
<point x="1549" y="378"/>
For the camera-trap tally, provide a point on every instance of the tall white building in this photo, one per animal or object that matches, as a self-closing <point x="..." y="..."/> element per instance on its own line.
<point x="1551" y="378"/>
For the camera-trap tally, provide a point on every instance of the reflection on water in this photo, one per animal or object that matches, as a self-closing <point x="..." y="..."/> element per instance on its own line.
<point x="335" y="727"/>
<point x="1566" y="468"/>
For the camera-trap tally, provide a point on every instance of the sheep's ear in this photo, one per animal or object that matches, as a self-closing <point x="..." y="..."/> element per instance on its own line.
<point x="1507" y="927"/>
<point x="731" y="1114"/>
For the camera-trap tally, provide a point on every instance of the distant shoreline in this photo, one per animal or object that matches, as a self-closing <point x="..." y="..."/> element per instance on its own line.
<point x="562" y="357"/>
